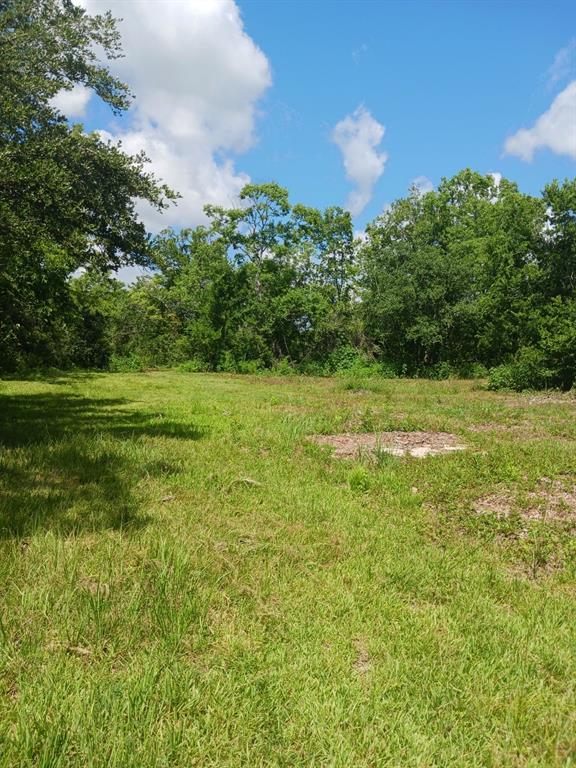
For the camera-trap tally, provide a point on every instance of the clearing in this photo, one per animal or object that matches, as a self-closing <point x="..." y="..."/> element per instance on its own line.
<point x="187" y="579"/>
<point x="416" y="444"/>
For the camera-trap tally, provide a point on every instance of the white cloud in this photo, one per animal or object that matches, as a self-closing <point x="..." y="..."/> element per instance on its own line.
<point x="197" y="77"/>
<point x="422" y="184"/>
<point x="359" y="52"/>
<point x="554" y="130"/>
<point x="358" y="136"/>
<point x="497" y="176"/>
<point x="72" y="103"/>
<point x="564" y="64"/>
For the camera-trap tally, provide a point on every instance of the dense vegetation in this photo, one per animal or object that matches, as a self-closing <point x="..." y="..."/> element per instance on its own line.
<point x="474" y="276"/>
<point x="67" y="198"/>
<point x="471" y="277"/>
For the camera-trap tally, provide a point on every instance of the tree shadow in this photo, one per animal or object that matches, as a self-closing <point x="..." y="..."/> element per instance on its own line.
<point x="52" y="375"/>
<point x="70" y="463"/>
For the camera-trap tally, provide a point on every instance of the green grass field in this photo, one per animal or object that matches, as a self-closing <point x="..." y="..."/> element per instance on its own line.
<point x="186" y="580"/>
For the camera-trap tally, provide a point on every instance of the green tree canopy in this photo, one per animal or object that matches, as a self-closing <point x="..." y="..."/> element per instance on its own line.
<point x="67" y="199"/>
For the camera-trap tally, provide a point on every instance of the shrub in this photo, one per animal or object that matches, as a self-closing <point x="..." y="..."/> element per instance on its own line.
<point x="349" y="361"/>
<point x="193" y="366"/>
<point x="438" y="371"/>
<point x="126" y="364"/>
<point x="313" y="368"/>
<point x="227" y="363"/>
<point x="527" y="370"/>
<point x="283" y="367"/>
<point x="471" y="371"/>
<point x="249" y="366"/>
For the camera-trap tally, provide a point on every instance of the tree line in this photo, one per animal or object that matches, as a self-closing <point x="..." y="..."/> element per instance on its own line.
<point x="473" y="278"/>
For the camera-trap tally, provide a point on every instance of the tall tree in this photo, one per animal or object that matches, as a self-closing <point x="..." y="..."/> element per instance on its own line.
<point x="449" y="276"/>
<point x="67" y="199"/>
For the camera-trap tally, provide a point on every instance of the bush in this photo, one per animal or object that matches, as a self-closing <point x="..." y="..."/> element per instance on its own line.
<point x="227" y="363"/>
<point x="528" y="370"/>
<point x="127" y="364"/>
<point x="438" y="371"/>
<point x="313" y="369"/>
<point x="445" y="370"/>
<point x="249" y="366"/>
<point x="559" y="342"/>
<point x="349" y="361"/>
<point x="471" y="371"/>
<point x="193" y="366"/>
<point x="284" y="367"/>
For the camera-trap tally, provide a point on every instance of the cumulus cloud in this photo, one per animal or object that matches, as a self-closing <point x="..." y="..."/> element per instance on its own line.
<point x="564" y="64"/>
<point x="72" y="103"/>
<point x="197" y="77"/>
<point x="358" y="136"/>
<point x="554" y="130"/>
<point x="422" y="184"/>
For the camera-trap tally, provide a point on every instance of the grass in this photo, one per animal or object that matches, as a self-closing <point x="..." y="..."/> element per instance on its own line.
<point x="186" y="581"/>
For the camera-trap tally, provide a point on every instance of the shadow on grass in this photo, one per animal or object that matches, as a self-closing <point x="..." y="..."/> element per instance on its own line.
<point x="52" y="375"/>
<point x="70" y="463"/>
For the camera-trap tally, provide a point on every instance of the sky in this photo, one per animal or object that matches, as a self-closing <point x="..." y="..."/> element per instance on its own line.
<point x="344" y="103"/>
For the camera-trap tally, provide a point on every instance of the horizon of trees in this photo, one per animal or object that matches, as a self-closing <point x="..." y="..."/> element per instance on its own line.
<point x="475" y="276"/>
<point x="472" y="277"/>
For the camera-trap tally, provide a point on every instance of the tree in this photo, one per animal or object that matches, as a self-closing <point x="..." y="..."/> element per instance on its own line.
<point x="450" y="276"/>
<point x="293" y="278"/>
<point x="67" y="199"/>
<point x="558" y="242"/>
<point x="330" y="237"/>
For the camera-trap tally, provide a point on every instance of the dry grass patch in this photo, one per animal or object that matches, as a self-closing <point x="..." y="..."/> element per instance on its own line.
<point x="524" y="429"/>
<point x="553" y="500"/>
<point x="557" y="398"/>
<point x="418" y="444"/>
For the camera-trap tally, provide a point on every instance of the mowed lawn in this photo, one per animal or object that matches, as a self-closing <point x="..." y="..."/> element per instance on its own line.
<point x="186" y="580"/>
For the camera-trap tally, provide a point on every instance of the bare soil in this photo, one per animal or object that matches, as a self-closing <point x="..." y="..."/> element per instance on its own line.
<point x="552" y="500"/>
<point x="418" y="444"/>
<point x="558" y="398"/>
<point x="524" y="429"/>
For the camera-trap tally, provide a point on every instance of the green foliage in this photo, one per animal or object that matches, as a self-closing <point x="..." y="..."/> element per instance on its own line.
<point x="470" y="277"/>
<point x="67" y="199"/>
<point x="249" y="366"/>
<point x="441" y="270"/>
<point x="359" y="479"/>
<point x="192" y="366"/>
<point x="250" y="292"/>
<point x="127" y="364"/>
<point x="526" y="371"/>
<point x="283" y="367"/>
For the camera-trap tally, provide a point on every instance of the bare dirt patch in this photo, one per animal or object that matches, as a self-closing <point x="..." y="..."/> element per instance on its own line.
<point x="363" y="663"/>
<point x="418" y="444"/>
<point x="524" y="429"/>
<point x="553" y="500"/>
<point x="543" y="399"/>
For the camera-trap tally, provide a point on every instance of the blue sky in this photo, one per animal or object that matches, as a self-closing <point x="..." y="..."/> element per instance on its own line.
<point x="231" y="91"/>
<point x="449" y="81"/>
